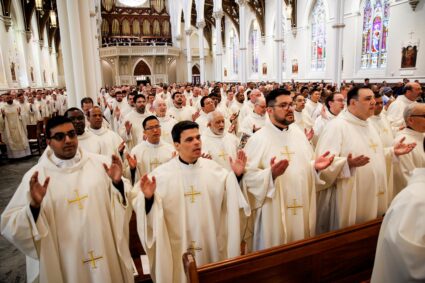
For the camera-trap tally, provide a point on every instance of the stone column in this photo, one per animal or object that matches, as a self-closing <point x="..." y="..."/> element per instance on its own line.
<point x="218" y="15"/>
<point x="242" y="41"/>
<point x="338" y="27"/>
<point x="188" y="32"/>
<point x="201" y="26"/>
<point x="77" y="42"/>
<point x="278" y="38"/>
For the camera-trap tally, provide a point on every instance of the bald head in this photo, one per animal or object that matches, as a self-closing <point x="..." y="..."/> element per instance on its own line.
<point x="414" y="116"/>
<point x="413" y="91"/>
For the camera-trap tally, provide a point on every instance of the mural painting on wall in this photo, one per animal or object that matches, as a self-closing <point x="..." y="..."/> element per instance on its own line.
<point x="32" y="74"/>
<point x="264" y="69"/>
<point x="44" y="76"/>
<point x="225" y="72"/>
<point x="53" y="78"/>
<point x="408" y="56"/>
<point x="12" y="71"/>
<point x="295" y="66"/>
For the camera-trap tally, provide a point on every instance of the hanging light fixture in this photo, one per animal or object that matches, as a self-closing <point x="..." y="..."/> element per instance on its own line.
<point x="53" y="22"/>
<point x="39" y="5"/>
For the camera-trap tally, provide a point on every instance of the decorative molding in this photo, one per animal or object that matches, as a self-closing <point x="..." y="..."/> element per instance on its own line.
<point x="338" y="26"/>
<point x="28" y="35"/>
<point x="218" y="15"/>
<point x="7" y="22"/>
<point x="413" y="4"/>
<point x="188" y="32"/>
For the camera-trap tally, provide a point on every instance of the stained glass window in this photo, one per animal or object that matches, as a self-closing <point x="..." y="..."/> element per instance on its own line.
<point x="234" y="47"/>
<point x="318" y="37"/>
<point x="375" y="34"/>
<point x="253" y="47"/>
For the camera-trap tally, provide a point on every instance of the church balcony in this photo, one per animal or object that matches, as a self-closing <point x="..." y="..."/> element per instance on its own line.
<point x="150" y="50"/>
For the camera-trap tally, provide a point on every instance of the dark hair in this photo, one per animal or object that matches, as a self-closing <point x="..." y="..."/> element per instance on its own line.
<point x="174" y="94"/>
<point x="378" y="95"/>
<point x="271" y="98"/>
<point x="54" y="122"/>
<point x="329" y="99"/>
<point x="137" y="96"/>
<point x="180" y="127"/>
<point x="354" y="93"/>
<point x="203" y="100"/>
<point x="147" y="119"/>
<point x="86" y="100"/>
<point x="72" y="109"/>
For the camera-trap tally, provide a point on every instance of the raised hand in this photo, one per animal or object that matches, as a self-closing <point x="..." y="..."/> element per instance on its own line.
<point x="132" y="161"/>
<point x="121" y="147"/>
<point x="206" y="155"/>
<point x="402" y="148"/>
<point x="324" y="161"/>
<point x="196" y="115"/>
<point x="127" y="125"/>
<point x="115" y="170"/>
<point x="358" y="161"/>
<point x="278" y="168"/>
<point x="147" y="186"/>
<point x="309" y="134"/>
<point x="238" y="165"/>
<point x="37" y="190"/>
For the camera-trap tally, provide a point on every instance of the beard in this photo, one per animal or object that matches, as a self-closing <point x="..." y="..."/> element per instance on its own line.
<point x="285" y="121"/>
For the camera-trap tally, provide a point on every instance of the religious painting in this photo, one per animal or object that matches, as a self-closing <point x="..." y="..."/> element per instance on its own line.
<point x="32" y="74"/>
<point x="12" y="71"/>
<point x="264" y="69"/>
<point x="408" y="56"/>
<point x="225" y="72"/>
<point x="295" y="66"/>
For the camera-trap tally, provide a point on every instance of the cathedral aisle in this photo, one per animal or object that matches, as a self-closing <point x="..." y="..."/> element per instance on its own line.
<point x="12" y="262"/>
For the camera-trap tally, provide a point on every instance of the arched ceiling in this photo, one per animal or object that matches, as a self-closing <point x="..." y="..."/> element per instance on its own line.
<point x="43" y="19"/>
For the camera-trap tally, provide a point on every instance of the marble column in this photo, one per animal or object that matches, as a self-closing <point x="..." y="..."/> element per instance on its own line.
<point x="188" y="32"/>
<point x="278" y="38"/>
<point x="218" y="15"/>
<point x="338" y="28"/>
<point x="242" y="41"/>
<point x="201" y="25"/>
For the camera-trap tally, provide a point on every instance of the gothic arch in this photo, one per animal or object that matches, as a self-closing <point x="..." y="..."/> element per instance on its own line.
<point x="144" y="67"/>
<point x="309" y="10"/>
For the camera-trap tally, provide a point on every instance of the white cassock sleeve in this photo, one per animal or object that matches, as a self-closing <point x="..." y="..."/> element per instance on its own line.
<point x="400" y="254"/>
<point x="154" y="236"/>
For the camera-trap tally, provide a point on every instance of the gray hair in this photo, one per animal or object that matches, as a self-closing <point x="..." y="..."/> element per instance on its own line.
<point x="213" y="114"/>
<point x="409" y="110"/>
<point x="260" y="99"/>
<point x="156" y="102"/>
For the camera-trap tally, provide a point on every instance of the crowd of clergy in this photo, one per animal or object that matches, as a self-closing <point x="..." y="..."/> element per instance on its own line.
<point x="218" y="170"/>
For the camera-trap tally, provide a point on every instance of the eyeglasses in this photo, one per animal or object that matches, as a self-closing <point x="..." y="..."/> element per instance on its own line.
<point x="284" y="106"/>
<point x="157" y="127"/>
<point x="418" y="115"/>
<point x="61" y="136"/>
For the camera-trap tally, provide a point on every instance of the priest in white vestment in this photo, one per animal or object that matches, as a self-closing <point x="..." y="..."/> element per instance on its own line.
<point x="281" y="177"/>
<point x="301" y="116"/>
<point x="414" y="116"/>
<point x="248" y="106"/>
<point x="150" y="153"/>
<point x="400" y="252"/>
<point x="395" y="110"/>
<point x="207" y="106"/>
<point x="178" y="111"/>
<point x="132" y="130"/>
<point x="167" y="122"/>
<point x="70" y="214"/>
<point x="313" y="105"/>
<point x="356" y="183"/>
<point x="14" y="133"/>
<point x="256" y="119"/>
<point x="217" y="143"/>
<point x="86" y="139"/>
<point x="109" y="141"/>
<point x="189" y="204"/>
<point x="334" y="104"/>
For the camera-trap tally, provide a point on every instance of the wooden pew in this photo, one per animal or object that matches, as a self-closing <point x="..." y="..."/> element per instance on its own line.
<point x="346" y="255"/>
<point x="136" y="249"/>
